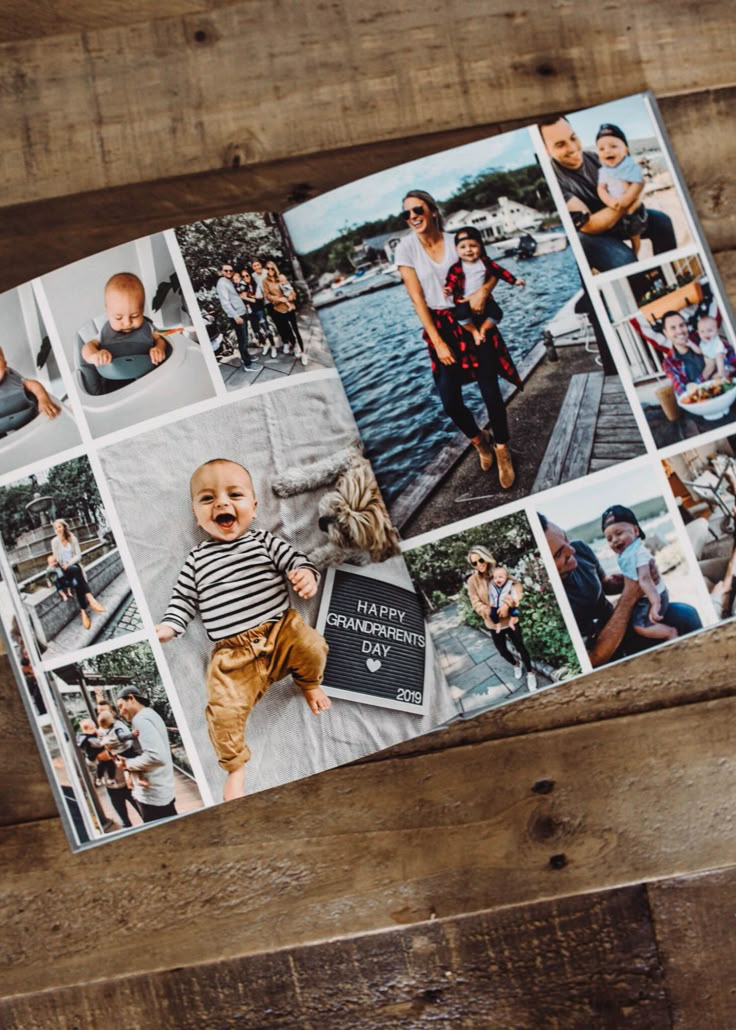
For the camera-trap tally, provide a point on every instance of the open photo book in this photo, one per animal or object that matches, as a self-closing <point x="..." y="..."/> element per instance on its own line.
<point x="280" y="491"/>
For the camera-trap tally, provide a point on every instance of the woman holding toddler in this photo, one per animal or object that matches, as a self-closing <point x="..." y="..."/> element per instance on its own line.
<point x="424" y="260"/>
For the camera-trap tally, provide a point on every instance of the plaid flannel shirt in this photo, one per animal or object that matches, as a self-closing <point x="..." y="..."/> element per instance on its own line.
<point x="456" y="277"/>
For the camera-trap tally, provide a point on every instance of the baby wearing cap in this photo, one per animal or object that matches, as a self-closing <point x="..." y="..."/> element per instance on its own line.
<point x="624" y="536"/>
<point x="620" y="182"/>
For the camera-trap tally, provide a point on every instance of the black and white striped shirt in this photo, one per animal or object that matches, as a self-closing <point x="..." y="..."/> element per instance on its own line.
<point x="235" y="585"/>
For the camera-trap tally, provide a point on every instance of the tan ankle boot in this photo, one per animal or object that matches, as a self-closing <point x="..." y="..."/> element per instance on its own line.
<point x="506" y="474"/>
<point x="482" y="444"/>
<point x="85" y="619"/>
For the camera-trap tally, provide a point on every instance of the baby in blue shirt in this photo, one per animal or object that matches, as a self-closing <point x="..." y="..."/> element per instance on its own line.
<point x="620" y="182"/>
<point x="624" y="536"/>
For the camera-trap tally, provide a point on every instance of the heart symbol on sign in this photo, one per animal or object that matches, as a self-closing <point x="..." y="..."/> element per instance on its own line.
<point x="373" y="664"/>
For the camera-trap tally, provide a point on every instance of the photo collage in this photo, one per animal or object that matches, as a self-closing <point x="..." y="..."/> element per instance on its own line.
<point x="139" y="441"/>
<point x="431" y="442"/>
<point x="550" y="453"/>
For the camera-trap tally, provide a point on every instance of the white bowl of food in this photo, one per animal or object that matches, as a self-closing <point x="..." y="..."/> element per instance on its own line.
<point x="710" y="400"/>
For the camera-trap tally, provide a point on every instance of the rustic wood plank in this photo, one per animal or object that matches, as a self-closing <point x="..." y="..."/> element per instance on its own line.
<point x="689" y="671"/>
<point x="560" y="441"/>
<point x="74" y="99"/>
<point x="38" y="237"/>
<point x="694" y="919"/>
<point x="572" y="963"/>
<point x="375" y="846"/>
<point x="578" y="454"/>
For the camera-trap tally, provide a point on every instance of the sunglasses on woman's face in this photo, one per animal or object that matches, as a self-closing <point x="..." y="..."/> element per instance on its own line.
<point x="406" y="215"/>
<point x="477" y="562"/>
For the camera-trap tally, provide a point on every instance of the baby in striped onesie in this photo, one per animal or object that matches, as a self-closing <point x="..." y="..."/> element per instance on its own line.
<point x="238" y="581"/>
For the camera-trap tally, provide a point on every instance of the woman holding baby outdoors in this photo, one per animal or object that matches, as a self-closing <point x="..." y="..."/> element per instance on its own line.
<point x="495" y="596"/>
<point x="458" y="357"/>
<point x="68" y="556"/>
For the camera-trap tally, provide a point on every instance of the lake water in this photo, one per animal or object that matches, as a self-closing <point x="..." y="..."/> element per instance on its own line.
<point x="377" y="344"/>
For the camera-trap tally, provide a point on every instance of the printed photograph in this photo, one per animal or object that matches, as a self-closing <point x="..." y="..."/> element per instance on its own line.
<point x="35" y="418"/>
<point x="617" y="182"/>
<point x="492" y="614"/>
<point x="67" y="567"/>
<point x="74" y="799"/>
<point x="678" y="345"/>
<point x="248" y="507"/>
<point x="703" y="483"/>
<point x="622" y="564"/>
<point x="128" y="751"/>
<point x="471" y="355"/>
<point x="127" y="335"/>
<point x="259" y="319"/>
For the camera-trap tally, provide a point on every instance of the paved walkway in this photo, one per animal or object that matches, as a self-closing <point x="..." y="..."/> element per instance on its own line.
<point x="235" y="376"/>
<point x="478" y="676"/>
<point x="104" y="625"/>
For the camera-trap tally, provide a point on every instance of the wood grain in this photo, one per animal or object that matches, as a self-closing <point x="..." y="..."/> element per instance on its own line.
<point x="694" y="920"/>
<point x="687" y="672"/>
<point x="572" y="963"/>
<point x="55" y="230"/>
<point x="121" y="103"/>
<point x="382" y="845"/>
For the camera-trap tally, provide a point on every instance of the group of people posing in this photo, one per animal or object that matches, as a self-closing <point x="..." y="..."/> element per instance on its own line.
<point x="127" y="752"/>
<point x="249" y="297"/>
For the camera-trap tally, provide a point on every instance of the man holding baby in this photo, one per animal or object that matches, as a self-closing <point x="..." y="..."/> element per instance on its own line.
<point x="599" y="227"/>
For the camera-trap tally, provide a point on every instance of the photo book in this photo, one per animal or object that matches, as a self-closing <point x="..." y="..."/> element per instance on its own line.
<point x="278" y="491"/>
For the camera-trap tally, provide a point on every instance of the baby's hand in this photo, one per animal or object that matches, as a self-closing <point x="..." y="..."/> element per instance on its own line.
<point x="165" y="633"/>
<point x="520" y="282"/>
<point x="48" y="407"/>
<point x="157" y="354"/>
<point x="101" y="357"/>
<point x="135" y="733"/>
<point x="303" y="581"/>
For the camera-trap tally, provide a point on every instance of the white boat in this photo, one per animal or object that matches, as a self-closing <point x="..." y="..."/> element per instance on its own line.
<point x="364" y="280"/>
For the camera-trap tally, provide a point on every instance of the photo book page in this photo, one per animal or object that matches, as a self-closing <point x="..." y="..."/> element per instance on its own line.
<point x="280" y="491"/>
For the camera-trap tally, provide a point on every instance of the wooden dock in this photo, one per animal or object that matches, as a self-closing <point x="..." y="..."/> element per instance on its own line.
<point x="595" y="428"/>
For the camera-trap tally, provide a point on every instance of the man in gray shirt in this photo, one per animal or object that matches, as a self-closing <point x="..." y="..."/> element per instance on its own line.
<point x="234" y="307"/>
<point x="157" y="800"/>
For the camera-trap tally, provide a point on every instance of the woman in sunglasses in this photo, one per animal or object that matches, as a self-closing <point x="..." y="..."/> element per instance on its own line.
<point x="424" y="258"/>
<point x="501" y="621"/>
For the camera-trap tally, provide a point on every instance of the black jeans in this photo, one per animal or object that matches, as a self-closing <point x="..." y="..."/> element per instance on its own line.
<point x="76" y="579"/>
<point x="150" y="813"/>
<point x="449" y="379"/>
<point x="120" y="797"/>
<point x="502" y="646"/>
<point x="605" y="251"/>
<point x="284" y="326"/>
<point x="241" y="331"/>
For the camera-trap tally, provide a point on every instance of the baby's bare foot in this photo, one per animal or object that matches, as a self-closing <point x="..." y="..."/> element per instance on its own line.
<point x="317" y="700"/>
<point x="234" y="786"/>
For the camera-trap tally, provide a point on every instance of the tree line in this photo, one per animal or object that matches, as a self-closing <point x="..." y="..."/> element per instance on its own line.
<point x="525" y="185"/>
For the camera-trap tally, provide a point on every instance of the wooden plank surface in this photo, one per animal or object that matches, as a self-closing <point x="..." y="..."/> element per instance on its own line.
<point x="572" y="963"/>
<point x="694" y="921"/>
<point x="121" y="103"/>
<point x="121" y="121"/>
<point x="43" y="229"/>
<point x="688" y="672"/>
<point x="389" y="843"/>
<point x="583" y="394"/>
